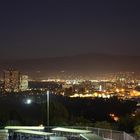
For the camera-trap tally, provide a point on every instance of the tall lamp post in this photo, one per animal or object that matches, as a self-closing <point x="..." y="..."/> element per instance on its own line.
<point x="48" y="108"/>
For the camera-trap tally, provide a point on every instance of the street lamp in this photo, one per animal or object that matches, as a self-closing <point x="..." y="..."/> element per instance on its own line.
<point x="47" y="107"/>
<point x="28" y="101"/>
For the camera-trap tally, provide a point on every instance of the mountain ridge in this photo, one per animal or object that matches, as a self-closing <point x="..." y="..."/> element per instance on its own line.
<point x="82" y="64"/>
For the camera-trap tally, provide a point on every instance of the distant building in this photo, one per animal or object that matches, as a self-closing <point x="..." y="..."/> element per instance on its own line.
<point x="11" y="80"/>
<point x="23" y="82"/>
<point x="64" y="86"/>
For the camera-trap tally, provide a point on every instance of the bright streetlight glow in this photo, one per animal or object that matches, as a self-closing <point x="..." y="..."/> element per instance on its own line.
<point x="28" y="101"/>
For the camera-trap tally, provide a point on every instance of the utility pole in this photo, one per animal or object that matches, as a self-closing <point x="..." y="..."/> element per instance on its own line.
<point x="48" y="108"/>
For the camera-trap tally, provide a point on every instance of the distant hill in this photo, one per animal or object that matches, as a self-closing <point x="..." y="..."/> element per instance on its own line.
<point x="84" y="64"/>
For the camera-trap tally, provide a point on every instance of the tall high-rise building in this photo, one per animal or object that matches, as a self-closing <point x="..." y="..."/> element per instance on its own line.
<point x="11" y="80"/>
<point x="24" y="82"/>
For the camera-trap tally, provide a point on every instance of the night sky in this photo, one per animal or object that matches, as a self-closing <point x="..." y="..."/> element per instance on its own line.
<point x="42" y="28"/>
